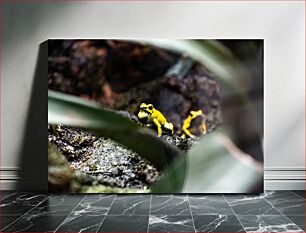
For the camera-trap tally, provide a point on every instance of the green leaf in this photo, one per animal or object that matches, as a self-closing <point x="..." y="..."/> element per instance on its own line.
<point x="171" y="180"/>
<point x="76" y="112"/>
<point x="216" y="165"/>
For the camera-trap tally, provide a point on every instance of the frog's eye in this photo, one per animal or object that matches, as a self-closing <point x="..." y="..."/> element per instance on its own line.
<point x="150" y="107"/>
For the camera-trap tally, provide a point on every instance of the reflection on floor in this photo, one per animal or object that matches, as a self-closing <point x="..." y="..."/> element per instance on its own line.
<point x="280" y="211"/>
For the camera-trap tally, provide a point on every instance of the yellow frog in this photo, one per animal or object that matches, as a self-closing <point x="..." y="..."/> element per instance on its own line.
<point x="148" y="114"/>
<point x="194" y="124"/>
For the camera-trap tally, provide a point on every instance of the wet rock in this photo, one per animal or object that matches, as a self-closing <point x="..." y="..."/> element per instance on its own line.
<point x="105" y="162"/>
<point x="61" y="178"/>
<point x="184" y="144"/>
<point x="111" y="163"/>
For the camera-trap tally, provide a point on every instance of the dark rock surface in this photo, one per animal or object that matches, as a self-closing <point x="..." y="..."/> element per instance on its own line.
<point x="106" y="161"/>
<point x="175" y="95"/>
<point x="62" y="178"/>
<point x="100" y="69"/>
<point x="111" y="163"/>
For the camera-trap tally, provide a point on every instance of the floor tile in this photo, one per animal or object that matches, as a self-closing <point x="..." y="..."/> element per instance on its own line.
<point x="217" y="223"/>
<point x="250" y="205"/>
<point x="44" y="209"/>
<point x="301" y="193"/>
<point x="209" y="205"/>
<point x="7" y="220"/>
<point x="32" y="212"/>
<point x="57" y="205"/>
<point x="164" y="223"/>
<point x="65" y="199"/>
<point x="5" y="194"/>
<point x="95" y="204"/>
<point x="127" y="223"/>
<point x="20" y="203"/>
<point x="81" y="223"/>
<point x="299" y="220"/>
<point x="170" y="205"/>
<point x="266" y="223"/>
<point x="35" y="223"/>
<point x="130" y="204"/>
<point x="287" y="202"/>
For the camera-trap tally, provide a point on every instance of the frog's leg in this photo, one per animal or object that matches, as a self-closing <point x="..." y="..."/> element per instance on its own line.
<point x="204" y="128"/>
<point x="159" y="130"/>
<point x="185" y="127"/>
<point x="168" y="126"/>
<point x="187" y="132"/>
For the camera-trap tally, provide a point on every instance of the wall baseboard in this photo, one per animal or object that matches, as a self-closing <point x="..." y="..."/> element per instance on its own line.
<point x="8" y="184"/>
<point x="9" y="178"/>
<point x="284" y="178"/>
<point x="284" y="184"/>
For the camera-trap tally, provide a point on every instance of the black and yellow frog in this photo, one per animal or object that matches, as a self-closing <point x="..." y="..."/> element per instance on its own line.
<point x="194" y="125"/>
<point x="150" y="116"/>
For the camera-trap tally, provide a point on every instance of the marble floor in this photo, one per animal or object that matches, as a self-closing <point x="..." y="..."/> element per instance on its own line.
<point x="273" y="211"/>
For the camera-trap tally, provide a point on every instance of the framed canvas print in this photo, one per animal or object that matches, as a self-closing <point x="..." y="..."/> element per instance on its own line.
<point x="155" y="116"/>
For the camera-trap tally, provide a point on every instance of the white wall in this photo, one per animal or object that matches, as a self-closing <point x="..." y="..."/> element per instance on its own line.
<point x="281" y="24"/>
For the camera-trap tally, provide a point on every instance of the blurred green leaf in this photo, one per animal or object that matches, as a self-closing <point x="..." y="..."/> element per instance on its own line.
<point x="216" y="165"/>
<point x="76" y="112"/>
<point x="171" y="180"/>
